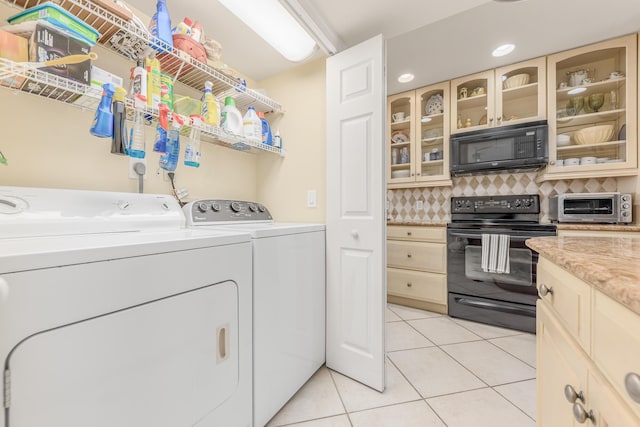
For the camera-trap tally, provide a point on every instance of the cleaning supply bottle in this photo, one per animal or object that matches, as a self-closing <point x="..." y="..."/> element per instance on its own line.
<point x="192" y="147"/>
<point x="139" y="85"/>
<point x="160" y="144"/>
<point x="252" y="126"/>
<point x="209" y="106"/>
<point x="160" y="28"/>
<point x="266" y="130"/>
<point x="102" y="125"/>
<point x="119" y="143"/>
<point x="169" y="160"/>
<point x="231" y="117"/>
<point x="137" y="136"/>
<point x="153" y="81"/>
<point x="277" y="140"/>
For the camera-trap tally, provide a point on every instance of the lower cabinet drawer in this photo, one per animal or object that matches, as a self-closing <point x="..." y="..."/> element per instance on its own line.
<point x="405" y="232"/>
<point x="417" y="255"/>
<point x="616" y="347"/>
<point x="418" y="285"/>
<point x="569" y="298"/>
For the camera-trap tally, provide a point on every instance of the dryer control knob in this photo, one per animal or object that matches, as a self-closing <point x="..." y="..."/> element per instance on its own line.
<point x="260" y="208"/>
<point x="253" y="208"/>
<point x="202" y="207"/>
<point x="235" y="206"/>
<point x="123" y="205"/>
<point x="215" y="207"/>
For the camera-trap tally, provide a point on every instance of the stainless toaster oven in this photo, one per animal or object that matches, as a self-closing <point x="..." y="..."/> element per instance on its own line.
<point x="591" y="208"/>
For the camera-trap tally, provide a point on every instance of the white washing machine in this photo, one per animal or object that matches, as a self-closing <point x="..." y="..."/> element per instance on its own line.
<point x="112" y="313"/>
<point x="288" y="297"/>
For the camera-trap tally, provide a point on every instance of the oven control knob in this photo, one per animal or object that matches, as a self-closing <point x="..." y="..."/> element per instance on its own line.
<point x="626" y="198"/>
<point x="253" y="208"/>
<point x="215" y="207"/>
<point x="625" y="213"/>
<point x="517" y="203"/>
<point x="527" y="202"/>
<point x="468" y="204"/>
<point x="625" y="206"/>
<point x="235" y="206"/>
<point x="202" y="207"/>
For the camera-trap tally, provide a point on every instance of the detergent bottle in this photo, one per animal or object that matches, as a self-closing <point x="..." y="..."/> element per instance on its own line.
<point x="231" y="117"/>
<point x="210" y="114"/>
<point x="160" y="28"/>
<point x="153" y="81"/>
<point x="267" y="138"/>
<point x="252" y="126"/>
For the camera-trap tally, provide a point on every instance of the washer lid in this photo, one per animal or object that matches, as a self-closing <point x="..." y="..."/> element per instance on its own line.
<point x="263" y="230"/>
<point x="26" y="212"/>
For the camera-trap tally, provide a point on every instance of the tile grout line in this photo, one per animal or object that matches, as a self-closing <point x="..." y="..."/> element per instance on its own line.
<point x="509" y="400"/>
<point x="333" y="380"/>
<point x="508" y="352"/>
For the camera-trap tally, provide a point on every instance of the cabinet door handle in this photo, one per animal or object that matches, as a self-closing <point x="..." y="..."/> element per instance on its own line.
<point x="632" y="384"/>
<point x="408" y="233"/>
<point x="581" y="415"/>
<point x="490" y="119"/>
<point x="408" y="255"/>
<point x="571" y="395"/>
<point x="409" y="285"/>
<point x="499" y="118"/>
<point x="545" y="290"/>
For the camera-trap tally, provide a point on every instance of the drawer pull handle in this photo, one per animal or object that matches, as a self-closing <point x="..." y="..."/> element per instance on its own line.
<point x="408" y="255"/>
<point x="581" y="415"/>
<point x="571" y="395"/>
<point x="408" y="233"/>
<point x="544" y="290"/>
<point x="632" y="384"/>
<point x="409" y="285"/>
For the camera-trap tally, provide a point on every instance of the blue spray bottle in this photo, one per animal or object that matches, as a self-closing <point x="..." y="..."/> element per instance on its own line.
<point x="102" y="125"/>
<point x="169" y="160"/>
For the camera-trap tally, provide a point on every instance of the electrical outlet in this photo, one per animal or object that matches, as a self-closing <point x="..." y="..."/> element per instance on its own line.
<point x="419" y="205"/>
<point x="132" y="171"/>
<point x="312" y="198"/>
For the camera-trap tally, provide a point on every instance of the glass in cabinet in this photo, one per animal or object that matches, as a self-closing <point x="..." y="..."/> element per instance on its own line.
<point x="418" y="137"/>
<point x="592" y="100"/>
<point x="507" y="95"/>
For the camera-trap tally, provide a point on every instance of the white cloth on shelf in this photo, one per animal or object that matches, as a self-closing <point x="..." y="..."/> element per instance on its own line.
<point x="495" y="253"/>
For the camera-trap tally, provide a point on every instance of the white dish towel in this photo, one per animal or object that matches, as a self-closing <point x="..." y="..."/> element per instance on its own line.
<point x="495" y="253"/>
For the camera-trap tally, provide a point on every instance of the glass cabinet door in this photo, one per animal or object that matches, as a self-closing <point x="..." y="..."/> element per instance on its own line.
<point x="432" y="132"/>
<point x="521" y="92"/>
<point x="401" y="138"/>
<point x="472" y="102"/>
<point x="592" y="109"/>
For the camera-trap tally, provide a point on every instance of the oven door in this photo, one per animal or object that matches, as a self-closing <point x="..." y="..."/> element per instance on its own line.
<point x="501" y="299"/>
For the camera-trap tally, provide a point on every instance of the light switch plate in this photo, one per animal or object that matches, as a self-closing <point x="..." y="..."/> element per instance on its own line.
<point x="419" y="205"/>
<point x="312" y="198"/>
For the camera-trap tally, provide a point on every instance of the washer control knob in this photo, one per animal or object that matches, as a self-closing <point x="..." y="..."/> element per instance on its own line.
<point x="202" y="207"/>
<point x="235" y="206"/>
<point x="253" y="207"/>
<point x="260" y="208"/>
<point x="215" y="207"/>
<point x="122" y="205"/>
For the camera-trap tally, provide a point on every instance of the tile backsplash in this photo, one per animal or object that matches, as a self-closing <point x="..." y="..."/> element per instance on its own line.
<point x="437" y="205"/>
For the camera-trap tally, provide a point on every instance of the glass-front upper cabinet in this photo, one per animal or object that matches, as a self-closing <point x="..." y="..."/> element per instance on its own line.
<point x="432" y="131"/>
<point x="521" y="92"/>
<point x="592" y="103"/>
<point x="505" y="96"/>
<point x="400" y="138"/>
<point x="472" y="102"/>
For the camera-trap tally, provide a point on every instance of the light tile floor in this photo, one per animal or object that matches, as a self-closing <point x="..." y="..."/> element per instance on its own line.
<point x="441" y="372"/>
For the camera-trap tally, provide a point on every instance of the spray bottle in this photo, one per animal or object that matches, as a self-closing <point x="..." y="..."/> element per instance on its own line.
<point x="160" y="144"/>
<point x="102" y="125"/>
<point x="153" y="81"/>
<point x="169" y="160"/>
<point x="209" y="106"/>
<point x="139" y="85"/>
<point x="192" y="148"/>
<point x="137" y="136"/>
<point x="119" y="143"/>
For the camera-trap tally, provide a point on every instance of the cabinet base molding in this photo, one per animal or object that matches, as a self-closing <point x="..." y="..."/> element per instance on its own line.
<point x="422" y="305"/>
<point x="440" y="183"/>
<point x="586" y="174"/>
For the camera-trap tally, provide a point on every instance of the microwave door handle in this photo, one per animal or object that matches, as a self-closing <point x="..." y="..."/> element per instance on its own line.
<point x="586" y="210"/>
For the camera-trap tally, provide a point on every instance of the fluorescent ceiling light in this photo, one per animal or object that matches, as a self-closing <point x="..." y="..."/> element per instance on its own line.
<point x="271" y="21"/>
<point x="406" y="78"/>
<point x="577" y="90"/>
<point x="311" y="21"/>
<point x="503" y="50"/>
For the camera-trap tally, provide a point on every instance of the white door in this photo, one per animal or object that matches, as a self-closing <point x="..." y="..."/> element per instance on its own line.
<point x="356" y="279"/>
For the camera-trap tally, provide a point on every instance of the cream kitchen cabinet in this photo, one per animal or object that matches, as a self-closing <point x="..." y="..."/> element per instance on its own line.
<point x="588" y="364"/>
<point x="417" y="266"/>
<point x="592" y="103"/>
<point x="418" y="138"/>
<point x="505" y="96"/>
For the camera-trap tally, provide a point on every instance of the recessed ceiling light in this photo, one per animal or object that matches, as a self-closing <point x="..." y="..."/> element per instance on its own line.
<point x="406" y="78"/>
<point x="577" y="90"/>
<point x="503" y="50"/>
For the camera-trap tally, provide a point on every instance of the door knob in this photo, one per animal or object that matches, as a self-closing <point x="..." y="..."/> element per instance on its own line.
<point x="571" y="395"/>
<point x="354" y="233"/>
<point x="632" y="384"/>
<point x="581" y="415"/>
<point x="545" y="290"/>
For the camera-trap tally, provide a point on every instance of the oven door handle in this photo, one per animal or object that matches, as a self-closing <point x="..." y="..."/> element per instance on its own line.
<point x="479" y="235"/>
<point x="530" y="312"/>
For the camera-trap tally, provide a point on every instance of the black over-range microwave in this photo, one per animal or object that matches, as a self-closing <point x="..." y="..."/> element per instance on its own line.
<point x="516" y="147"/>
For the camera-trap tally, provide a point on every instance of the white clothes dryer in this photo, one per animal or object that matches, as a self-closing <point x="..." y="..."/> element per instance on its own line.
<point x="114" y="314"/>
<point x="288" y="297"/>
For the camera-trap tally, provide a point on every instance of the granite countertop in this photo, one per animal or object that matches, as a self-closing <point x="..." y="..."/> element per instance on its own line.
<point x="599" y="227"/>
<point x="610" y="264"/>
<point x="427" y="223"/>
